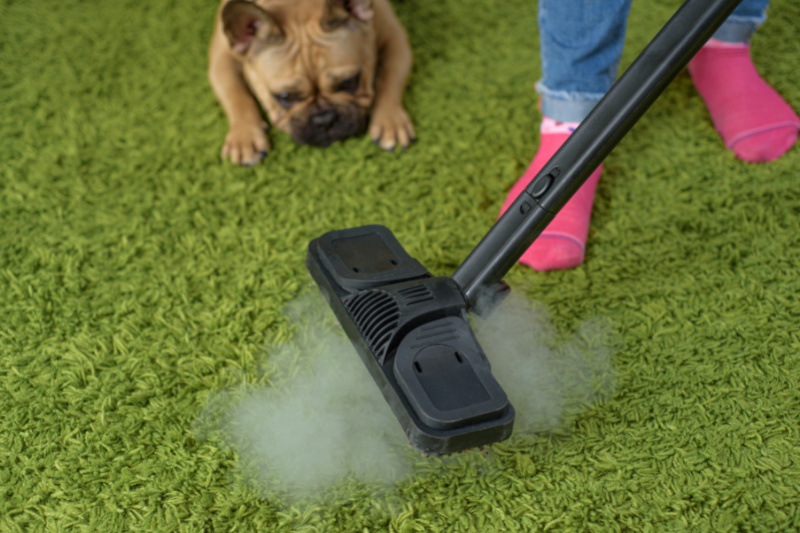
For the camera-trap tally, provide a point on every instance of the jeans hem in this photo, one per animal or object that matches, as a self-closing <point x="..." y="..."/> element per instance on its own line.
<point x="566" y="106"/>
<point x="738" y="29"/>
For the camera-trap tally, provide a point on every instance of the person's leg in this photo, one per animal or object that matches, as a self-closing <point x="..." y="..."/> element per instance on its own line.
<point x="753" y="120"/>
<point x="581" y="44"/>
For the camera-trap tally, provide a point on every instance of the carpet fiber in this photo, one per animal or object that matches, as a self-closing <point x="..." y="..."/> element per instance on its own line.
<point x="140" y="278"/>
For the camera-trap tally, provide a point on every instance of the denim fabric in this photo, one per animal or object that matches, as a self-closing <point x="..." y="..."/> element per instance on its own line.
<point x="581" y="44"/>
<point x="743" y="22"/>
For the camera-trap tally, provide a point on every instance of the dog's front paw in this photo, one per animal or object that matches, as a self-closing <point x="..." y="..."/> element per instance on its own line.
<point x="246" y="144"/>
<point x="391" y="127"/>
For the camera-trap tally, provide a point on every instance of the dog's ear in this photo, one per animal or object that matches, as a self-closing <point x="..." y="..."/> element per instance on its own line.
<point x="244" y="22"/>
<point x="340" y="12"/>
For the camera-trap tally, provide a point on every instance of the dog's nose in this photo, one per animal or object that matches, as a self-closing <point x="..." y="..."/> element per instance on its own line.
<point x="324" y="118"/>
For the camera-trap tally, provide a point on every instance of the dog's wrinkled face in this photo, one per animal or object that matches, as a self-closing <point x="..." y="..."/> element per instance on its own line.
<point x="310" y="63"/>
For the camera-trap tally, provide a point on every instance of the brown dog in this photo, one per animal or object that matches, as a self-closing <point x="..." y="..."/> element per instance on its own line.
<point x="317" y="67"/>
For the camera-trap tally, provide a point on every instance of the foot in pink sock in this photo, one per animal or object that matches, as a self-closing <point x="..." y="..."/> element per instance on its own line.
<point x="562" y="244"/>
<point x="752" y="118"/>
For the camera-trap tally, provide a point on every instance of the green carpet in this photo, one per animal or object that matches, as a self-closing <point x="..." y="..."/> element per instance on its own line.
<point x="141" y="278"/>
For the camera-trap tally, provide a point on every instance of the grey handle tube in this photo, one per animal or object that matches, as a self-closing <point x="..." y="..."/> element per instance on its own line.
<point x="610" y="120"/>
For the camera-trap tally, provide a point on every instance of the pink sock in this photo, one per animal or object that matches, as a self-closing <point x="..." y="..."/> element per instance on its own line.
<point x="752" y="118"/>
<point x="561" y="245"/>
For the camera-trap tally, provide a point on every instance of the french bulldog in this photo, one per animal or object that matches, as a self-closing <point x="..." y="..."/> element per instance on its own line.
<point x="321" y="70"/>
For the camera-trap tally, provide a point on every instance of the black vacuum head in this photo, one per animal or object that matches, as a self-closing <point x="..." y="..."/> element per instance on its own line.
<point x="411" y="329"/>
<point x="412" y="332"/>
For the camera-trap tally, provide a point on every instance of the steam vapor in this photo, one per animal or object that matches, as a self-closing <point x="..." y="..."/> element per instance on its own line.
<point x="319" y="420"/>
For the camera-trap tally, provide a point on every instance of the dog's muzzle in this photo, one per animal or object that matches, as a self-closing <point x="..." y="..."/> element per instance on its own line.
<point x="326" y="125"/>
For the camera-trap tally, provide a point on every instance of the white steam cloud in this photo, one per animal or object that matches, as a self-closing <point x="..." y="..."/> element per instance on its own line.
<point x="319" y="419"/>
<point x="548" y="382"/>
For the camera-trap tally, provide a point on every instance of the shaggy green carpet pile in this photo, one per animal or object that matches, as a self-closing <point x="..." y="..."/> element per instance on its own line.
<point x="140" y="278"/>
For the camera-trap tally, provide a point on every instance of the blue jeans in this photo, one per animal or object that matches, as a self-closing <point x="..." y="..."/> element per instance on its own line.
<point x="581" y="44"/>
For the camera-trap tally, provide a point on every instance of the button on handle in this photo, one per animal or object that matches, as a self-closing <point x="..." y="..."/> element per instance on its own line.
<point x="542" y="184"/>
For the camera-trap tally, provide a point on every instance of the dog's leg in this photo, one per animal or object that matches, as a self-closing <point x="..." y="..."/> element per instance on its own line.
<point x="246" y="143"/>
<point x="390" y="125"/>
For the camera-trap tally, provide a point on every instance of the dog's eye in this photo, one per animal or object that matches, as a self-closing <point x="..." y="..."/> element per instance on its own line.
<point x="350" y="85"/>
<point x="286" y="100"/>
